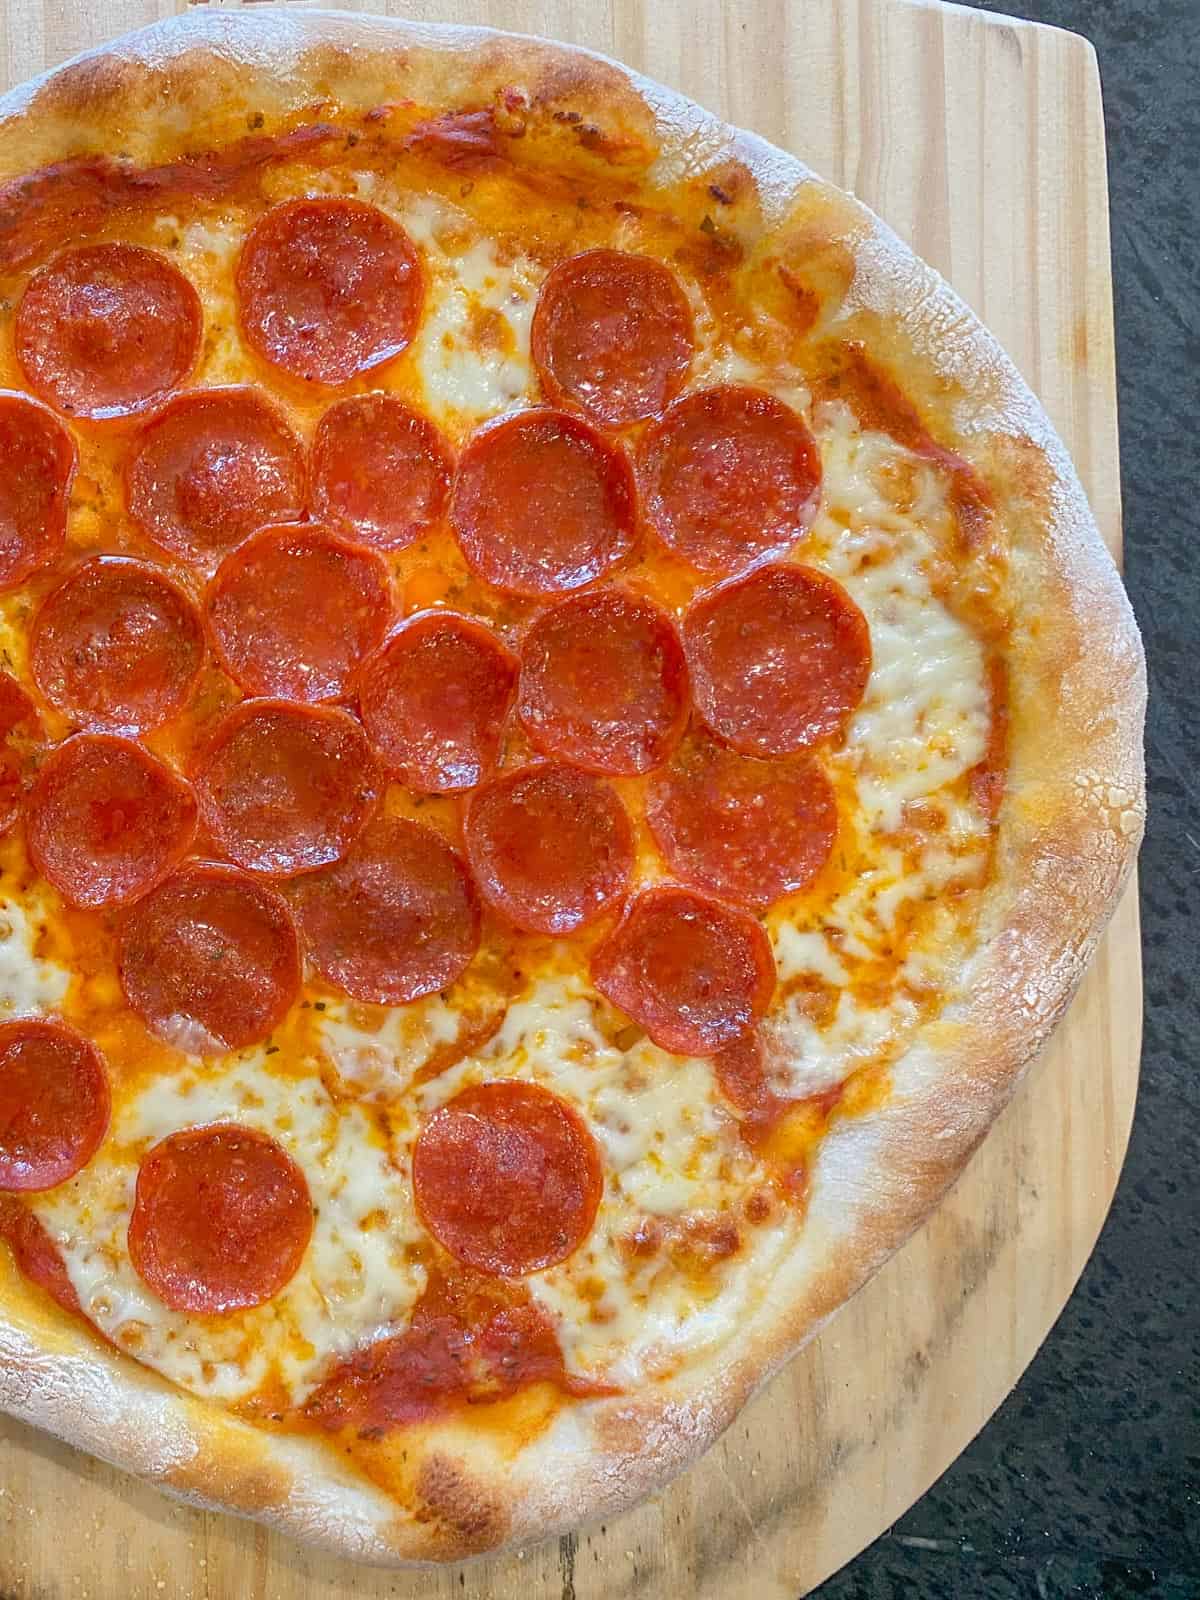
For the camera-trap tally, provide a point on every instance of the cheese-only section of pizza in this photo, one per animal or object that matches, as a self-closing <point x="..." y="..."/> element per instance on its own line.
<point x="532" y="755"/>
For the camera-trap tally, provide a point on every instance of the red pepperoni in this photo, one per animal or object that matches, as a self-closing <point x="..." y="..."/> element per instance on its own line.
<point x="107" y="821"/>
<point x="117" y="646"/>
<point x="603" y="683"/>
<point x="107" y="329"/>
<point x="285" y="788"/>
<point x="779" y="659"/>
<point x="329" y="288"/>
<point x="54" y="1103"/>
<point x="741" y="1073"/>
<point x="397" y="919"/>
<point x="210" y="960"/>
<point x="221" y="1219"/>
<point x="37" y="468"/>
<point x="728" y="476"/>
<point x="434" y="699"/>
<point x="379" y="470"/>
<point x="35" y="1253"/>
<point x="294" y="610"/>
<point x="748" y="830"/>
<point x="550" y="847"/>
<point x="20" y="747"/>
<point x="211" y="467"/>
<point x="507" y="1177"/>
<point x="613" y="333"/>
<point x="541" y="504"/>
<point x="471" y="1340"/>
<point x="693" y="973"/>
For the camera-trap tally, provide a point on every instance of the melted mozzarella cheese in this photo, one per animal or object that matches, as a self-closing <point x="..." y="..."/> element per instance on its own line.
<point x="357" y="1277"/>
<point x="28" y="984"/>
<point x="922" y="725"/>
<point x="676" y="1172"/>
<point x="472" y="349"/>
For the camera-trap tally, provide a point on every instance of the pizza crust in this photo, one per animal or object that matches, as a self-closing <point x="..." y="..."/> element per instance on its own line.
<point x="1070" y="825"/>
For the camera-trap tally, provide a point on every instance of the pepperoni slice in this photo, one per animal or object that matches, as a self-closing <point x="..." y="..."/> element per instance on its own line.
<point x="434" y="699"/>
<point x="541" y="504"/>
<point x="613" y="333"/>
<point x="470" y="1340"/>
<point x="54" y="1103"/>
<point x="117" y="646"/>
<point x="693" y="973"/>
<point x="286" y="789"/>
<point x="37" y="468"/>
<point x="779" y="659"/>
<point x="36" y="1254"/>
<point x="603" y="683"/>
<point x="211" y="467"/>
<point x="293" y="611"/>
<point x="210" y="960"/>
<point x="748" y="830"/>
<point x="728" y="476"/>
<point x="221" y="1219"/>
<point x="329" y="288"/>
<point x="379" y="470"/>
<point x="20" y="746"/>
<point x="107" y="821"/>
<point x="398" y="918"/>
<point x="107" y="329"/>
<point x="507" y="1177"/>
<point x="550" y="847"/>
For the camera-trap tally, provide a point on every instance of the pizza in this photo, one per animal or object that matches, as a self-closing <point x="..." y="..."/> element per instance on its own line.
<point x="567" y="733"/>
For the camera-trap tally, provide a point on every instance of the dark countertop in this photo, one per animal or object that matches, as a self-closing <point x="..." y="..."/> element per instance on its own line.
<point x="1086" y="1483"/>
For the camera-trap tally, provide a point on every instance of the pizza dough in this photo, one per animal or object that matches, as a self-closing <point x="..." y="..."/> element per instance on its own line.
<point x="567" y="735"/>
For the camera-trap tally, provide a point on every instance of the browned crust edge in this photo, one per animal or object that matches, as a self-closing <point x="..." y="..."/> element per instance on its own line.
<point x="1071" y="823"/>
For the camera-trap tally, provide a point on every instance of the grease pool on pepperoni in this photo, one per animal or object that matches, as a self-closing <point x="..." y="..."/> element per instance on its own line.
<point x="210" y="959"/>
<point x="210" y="468"/>
<point x="694" y="973"/>
<point x="54" y="1104"/>
<point x="744" y="829"/>
<point x="604" y="682"/>
<point x="398" y="918"/>
<point x="105" y="330"/>
<point x="294" y="610"/>
<point x="106" y="820"/>
<point x="379" y="470"/>
<point x="541" y="504"/>
<point x="37" y="468"/>
<point x="221" y="1219"/>
<point x="551" y="847"/>
<point x="286" y="789"/>
<point x="728" y="476"/>
<point x="329" y="288"/>
<point x="117" y="646"/>
<point x="507" y="1178"/>
<point x="434" y="699"/>
<point x="613" y="333"/>
<point x="779" y="659"/>
<point x="21" y="739"/>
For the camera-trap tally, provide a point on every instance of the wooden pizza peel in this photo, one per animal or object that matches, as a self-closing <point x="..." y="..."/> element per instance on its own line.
<point x="981" y="141"/>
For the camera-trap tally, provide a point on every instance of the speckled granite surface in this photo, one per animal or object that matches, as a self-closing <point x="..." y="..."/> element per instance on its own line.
<point x="1086" y="1484"/>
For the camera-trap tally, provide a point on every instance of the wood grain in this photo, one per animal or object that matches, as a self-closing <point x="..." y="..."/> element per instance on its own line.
<point x="981" y="141"/>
